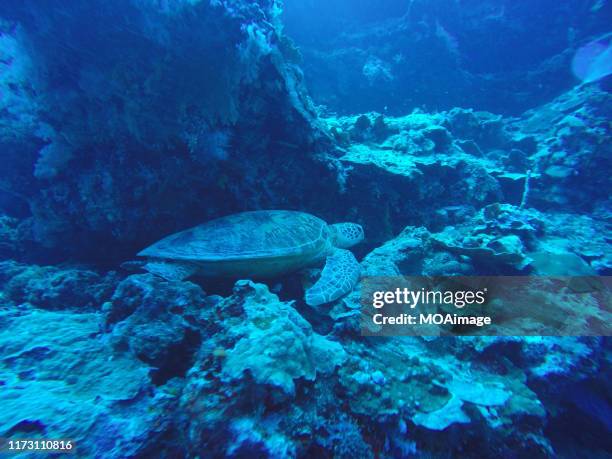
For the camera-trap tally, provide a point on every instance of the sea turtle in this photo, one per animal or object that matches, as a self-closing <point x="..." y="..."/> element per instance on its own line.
<point x="262" y="244"/>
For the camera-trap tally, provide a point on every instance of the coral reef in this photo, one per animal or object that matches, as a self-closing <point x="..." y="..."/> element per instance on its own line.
<point x="247" y="375"/>
<point x="124" y="121"/>
<point x="437" y="169"/>
<point x="60" y="380"/>
<point x="53" y="288"/>
<point x="265" y="354"/>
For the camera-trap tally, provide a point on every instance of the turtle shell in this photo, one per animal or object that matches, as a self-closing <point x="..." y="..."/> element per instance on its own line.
<point x="247" y="235"/>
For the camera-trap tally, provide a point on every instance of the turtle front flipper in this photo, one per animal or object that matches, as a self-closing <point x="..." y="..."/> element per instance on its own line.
<point x="339" y="277"/>
<point x="171" y="270"/>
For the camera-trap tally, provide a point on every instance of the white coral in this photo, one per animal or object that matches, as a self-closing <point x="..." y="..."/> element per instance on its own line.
<point x="276" y="344"/>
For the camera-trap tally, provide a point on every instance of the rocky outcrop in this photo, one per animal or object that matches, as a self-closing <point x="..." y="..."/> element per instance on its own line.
<point x="165" y="133"/>
<point x="437" y="55"/>
<point x="436" y="169"/>
<point x="246" y="374"/>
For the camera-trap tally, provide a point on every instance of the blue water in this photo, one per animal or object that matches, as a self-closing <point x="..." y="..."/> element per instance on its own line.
<point x="454" y="138"/>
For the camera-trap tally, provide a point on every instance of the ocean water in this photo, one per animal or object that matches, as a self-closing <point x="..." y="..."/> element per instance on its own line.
<point x="218" y="216"/>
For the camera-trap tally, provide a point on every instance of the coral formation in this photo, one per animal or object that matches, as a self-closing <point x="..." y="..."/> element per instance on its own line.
<point x="124" y="121"/>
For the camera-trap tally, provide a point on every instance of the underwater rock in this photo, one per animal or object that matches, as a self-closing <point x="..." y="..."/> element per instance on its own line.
<point x="505" y="219"/>
<point x="124" y="121"/>
<point x="125" y="172"/>
<point x="440" y="419"/>
<point x="560" y="264"/>
<point x="264" y="354"/>
<point x="479" y="245"/>
<point x="499" y="238"/>
<point x="557" y="369"/>
<point x="489" y="395"/>
<point x="437" y="393"/>
<point x="362" y="123"/>
<point x="345" y="439"/>
<point x="487" y="250"/>
<point x="439" y="135"/>
<point x="273" y="342"/>
<point x="60" y="380"/>
<point x="55" y="288"/>
<point x="376" y="70"/>
<point x="573" y="156"/>
<point x="159" y="322"/>
<point x="483" y="128"/>
<point x="16" y="67"/>
<point x="402" y="255"/>
<point x="553" y="158"/>
<point x="11" y="237"/>
<point x="380" y="128"/>
<point x="407" y="377"/>
<point x="422" y="158"/>
<point x="140" y="292"/>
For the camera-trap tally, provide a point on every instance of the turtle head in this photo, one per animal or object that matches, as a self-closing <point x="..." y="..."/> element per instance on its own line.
<point x="346" y="235"/>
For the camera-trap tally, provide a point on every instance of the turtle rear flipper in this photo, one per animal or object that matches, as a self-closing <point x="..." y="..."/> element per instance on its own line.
<point x="171" y="270"/>
<point x="133" y="265"/>
<point x="339" y="277"/>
